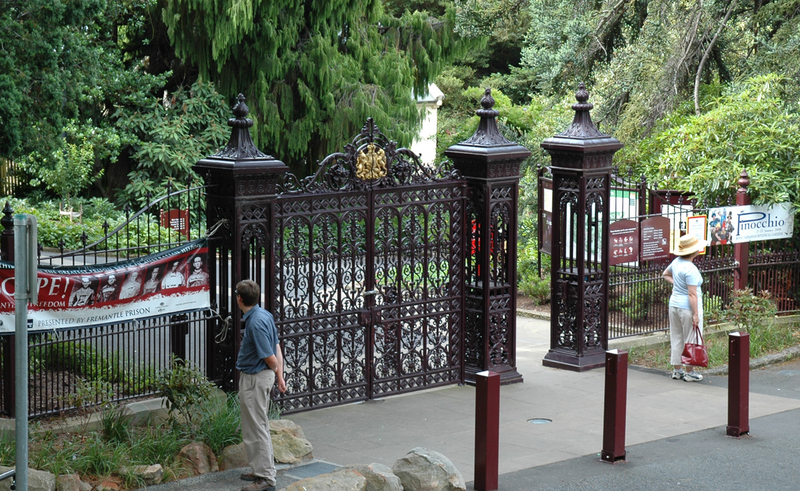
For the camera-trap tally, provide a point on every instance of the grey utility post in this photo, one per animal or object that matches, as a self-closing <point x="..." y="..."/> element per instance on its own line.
<point x="25" y="290"/>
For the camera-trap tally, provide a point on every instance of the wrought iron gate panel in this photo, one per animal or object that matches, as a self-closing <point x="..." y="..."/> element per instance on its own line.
<point x="369" y="259"/>
<point x="418" y="237"/>
<point x="321" y="271"/>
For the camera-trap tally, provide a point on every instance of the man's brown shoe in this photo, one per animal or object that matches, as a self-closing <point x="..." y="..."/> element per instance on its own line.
<point x="260" y="484"/>
<point x="247" y="476"/>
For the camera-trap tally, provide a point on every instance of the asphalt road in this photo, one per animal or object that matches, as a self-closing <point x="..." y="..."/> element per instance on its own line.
<point x="768" y="459"/>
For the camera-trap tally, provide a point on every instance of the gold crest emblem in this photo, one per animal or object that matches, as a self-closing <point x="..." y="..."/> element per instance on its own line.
<point x="371" y="165"/>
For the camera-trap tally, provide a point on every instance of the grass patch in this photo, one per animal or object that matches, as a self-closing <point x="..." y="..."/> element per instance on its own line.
<point x="754" y="314"/>
<point x="196" y="416"/>
<point x="763" y="341"/>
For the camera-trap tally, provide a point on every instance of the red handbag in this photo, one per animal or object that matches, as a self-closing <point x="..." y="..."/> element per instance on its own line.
<point x="695" y="354"/>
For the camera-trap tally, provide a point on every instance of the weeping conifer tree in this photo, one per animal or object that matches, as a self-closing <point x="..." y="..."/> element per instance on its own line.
<point x="313" y="71"/>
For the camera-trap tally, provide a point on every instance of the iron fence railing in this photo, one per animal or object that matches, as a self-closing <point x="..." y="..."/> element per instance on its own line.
<point x="80" y="368"/>
<point x="89" y="366"/>
<point x="165" y="222"/>
<point x="638" y="295"/>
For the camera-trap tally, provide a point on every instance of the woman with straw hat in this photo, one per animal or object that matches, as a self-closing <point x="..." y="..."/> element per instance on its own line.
<point x="685" y="304"/>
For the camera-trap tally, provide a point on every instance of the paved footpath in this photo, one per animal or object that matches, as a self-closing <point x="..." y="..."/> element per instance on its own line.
<point x="671" y="443"/>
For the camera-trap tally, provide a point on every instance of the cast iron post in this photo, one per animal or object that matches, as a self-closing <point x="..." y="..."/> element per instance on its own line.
<point x="8" y="342"/>
<point x="490" y="163"/>
<point x="741" y="250"/>
<point x="7" y="238"/>
<point x="581" y="169"/>
<point x="243" y="188"/>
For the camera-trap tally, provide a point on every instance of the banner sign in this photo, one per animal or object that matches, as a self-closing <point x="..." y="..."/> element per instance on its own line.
<point x="169" y="282"/>
<point x="736" y="224"/>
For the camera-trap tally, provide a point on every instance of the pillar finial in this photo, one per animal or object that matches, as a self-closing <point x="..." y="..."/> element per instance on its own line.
<point x="487" y="133"/>
<point x="582" y="126"/>
<point x="240" y="145"/>
<point x="743" y="182"/>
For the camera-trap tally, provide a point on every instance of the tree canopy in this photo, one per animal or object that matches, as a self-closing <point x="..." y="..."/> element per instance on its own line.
<point x="313" y="72"/>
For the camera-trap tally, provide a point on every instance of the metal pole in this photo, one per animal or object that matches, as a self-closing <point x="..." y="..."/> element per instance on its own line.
<point x="615" y="406"/>
<point x="25" y="290"/>
<point x="487" y="430"/>
<point x="738" y="384"/>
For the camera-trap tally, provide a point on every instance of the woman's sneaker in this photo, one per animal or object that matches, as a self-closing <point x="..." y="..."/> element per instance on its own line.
<point x="678" y="374"/>
<point x="692" y="376"/>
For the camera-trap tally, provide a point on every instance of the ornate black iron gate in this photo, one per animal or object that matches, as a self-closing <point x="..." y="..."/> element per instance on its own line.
<point x="369" y="275"/>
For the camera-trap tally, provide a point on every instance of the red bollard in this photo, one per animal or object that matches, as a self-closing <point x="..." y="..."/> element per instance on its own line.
<point x="487" y="430"/>
<point x="738" y="384"/>
<point x="615" y="407"/>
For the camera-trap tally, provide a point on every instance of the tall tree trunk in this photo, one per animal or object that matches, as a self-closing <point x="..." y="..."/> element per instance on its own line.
<point x="707" y="54"/>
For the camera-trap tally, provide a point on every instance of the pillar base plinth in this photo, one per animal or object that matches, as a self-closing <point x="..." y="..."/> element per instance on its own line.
<point x="569" y="360"/>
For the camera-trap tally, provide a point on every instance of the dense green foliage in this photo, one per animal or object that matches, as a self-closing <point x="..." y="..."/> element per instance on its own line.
<point x="168" y="137"/>
<point x="313" y="73"/>
<point x="689" y="87"/>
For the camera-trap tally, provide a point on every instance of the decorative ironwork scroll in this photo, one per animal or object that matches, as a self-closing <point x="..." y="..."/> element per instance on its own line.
<point x="370" y="160"/>
<point x="369" y="274"/>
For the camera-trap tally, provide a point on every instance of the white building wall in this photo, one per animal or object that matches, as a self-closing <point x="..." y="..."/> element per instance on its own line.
<point x="425" y="143"/>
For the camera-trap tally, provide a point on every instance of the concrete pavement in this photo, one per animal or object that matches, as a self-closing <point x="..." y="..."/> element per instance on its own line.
<point x="674" y="429"/>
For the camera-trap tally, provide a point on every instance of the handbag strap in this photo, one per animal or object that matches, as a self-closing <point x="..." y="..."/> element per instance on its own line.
<point x="698" y="334"/>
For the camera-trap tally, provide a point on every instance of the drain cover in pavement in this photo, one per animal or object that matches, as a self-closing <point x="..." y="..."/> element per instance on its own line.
<point x="311" y="470"/>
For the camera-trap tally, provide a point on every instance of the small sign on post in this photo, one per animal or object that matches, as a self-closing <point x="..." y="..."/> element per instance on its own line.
<point x="177" y="220"/>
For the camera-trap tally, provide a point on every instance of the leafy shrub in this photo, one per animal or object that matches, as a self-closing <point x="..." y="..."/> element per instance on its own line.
<point x="712" y="309"/>
<point x="749" y="311"/>
<point x="218" y="422"/>
<point x="637" y="302"/>
<point x="184" y="387"/>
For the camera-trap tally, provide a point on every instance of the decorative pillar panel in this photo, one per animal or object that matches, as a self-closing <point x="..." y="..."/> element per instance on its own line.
<point x="243" y="185"/>
<point x="581" y="168"/>
<point x="490" y="163"/>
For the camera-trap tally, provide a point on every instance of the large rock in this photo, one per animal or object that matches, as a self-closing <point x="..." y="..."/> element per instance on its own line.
<point x="108" y="485"/>
<point x="195" y="459"/>
<point x="37" y="480"/>
<point x="68" y="482"/>
<point x="428" y="470"/>
<point x="340" y="480"/>
<point x="288" y="442"/>
<point x="379" y="477"/>
<point x="233" y="457"/>
<point x="149" y="474"/>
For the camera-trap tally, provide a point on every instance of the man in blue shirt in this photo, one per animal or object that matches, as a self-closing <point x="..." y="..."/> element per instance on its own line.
<point x="260" y="363"/>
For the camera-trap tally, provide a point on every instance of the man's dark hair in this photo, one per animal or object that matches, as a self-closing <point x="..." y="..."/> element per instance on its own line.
<point x="249" y="291"/>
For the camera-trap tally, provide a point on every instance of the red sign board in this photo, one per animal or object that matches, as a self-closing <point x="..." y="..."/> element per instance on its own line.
<point x="176" y="220"/>
<point x="624" y="242"/>
<point x="655" y="238"/>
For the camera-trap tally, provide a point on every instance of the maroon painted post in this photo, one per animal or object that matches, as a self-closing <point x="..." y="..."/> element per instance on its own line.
<point x="487" y="430"/>
<point x="741" y="251"/>
<point x="738" y="384"/>
<point x="615" y="406"/>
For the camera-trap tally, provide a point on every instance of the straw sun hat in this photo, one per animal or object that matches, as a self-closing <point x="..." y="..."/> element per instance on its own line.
<point x="687" y="245"/>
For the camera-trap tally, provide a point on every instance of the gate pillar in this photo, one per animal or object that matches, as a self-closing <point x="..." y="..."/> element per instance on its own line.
<point x="490" y="163"/>
<point x="243" y="183"/>
<point x="581" y="168"/>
